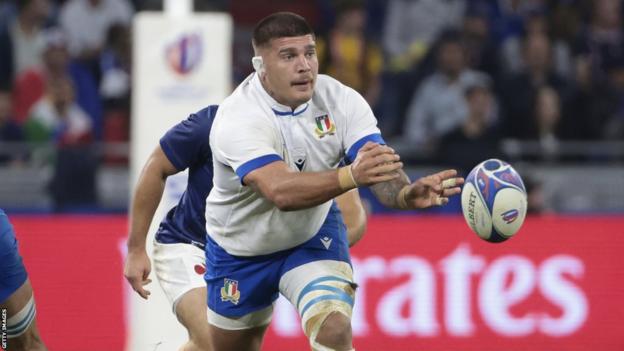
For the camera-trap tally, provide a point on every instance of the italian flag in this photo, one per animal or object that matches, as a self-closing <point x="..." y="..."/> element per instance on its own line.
<point x="323" y="123"/>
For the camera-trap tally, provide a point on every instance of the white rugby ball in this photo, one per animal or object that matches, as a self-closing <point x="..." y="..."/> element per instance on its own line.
<point x="494" y="200"/>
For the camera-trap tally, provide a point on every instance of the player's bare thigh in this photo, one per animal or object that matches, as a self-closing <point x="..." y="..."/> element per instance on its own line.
<point x="30" y="339"/>
<point x="207" y="337"/>
<point x="243" y="340"/>
<point x="191" y="311"/>
<point x="244" y="333"/>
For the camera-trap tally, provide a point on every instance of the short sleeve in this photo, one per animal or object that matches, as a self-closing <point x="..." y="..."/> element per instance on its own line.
<point x="187" y="143"/>
<point x="361" y="125"/>
<point x="244" y="143"/>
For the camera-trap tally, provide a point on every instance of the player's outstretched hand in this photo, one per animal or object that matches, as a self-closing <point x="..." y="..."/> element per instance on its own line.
<point x="374" y="164"/>
<point x="137" y="270"/>
<point x="433" y="190"/>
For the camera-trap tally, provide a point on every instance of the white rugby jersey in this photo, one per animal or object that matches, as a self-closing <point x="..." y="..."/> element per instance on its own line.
<point x="251" y="130"/>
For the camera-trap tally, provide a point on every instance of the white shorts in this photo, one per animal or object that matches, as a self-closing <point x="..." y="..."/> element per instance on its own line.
<point x="179" y="268"/>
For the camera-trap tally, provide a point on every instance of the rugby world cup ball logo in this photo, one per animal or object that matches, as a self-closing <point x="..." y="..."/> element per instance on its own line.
<point x="184" y="54"/>
<point x="510" y="216"/>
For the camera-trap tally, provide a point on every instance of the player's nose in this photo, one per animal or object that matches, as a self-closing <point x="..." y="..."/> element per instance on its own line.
<point x="303" y="65"/>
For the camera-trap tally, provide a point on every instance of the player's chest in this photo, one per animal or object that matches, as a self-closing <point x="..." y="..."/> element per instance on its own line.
<point x="309" y="142"/>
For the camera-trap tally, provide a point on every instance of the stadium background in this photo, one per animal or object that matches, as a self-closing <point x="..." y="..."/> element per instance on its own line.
<point x="544" y="92"/>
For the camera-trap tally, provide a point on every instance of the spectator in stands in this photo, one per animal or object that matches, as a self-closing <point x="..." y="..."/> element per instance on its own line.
<point x="9" y="130"/>
<point x="413" y="26"/>
<point x="596" y="109"/>
<point x="410" y="32"/>
<point x="30" y="86"/>
<point x="477" y="138"/>
<point x="481" y="50"/>
<point x="439" y="105"/>
<point x="507" y="17"/>
<point x="347" y="55"/>
<point x="536" y="23"/>
<point x="115" y="64"/>
<point x="86" y="24"/>
<point x="547" y="118"/>
<point x="614" y="124"/>
<point x="520" y="91"/>
<point x="602" y="38"/>
<point x="57" y="118"/>
<point x="21" y="41"/>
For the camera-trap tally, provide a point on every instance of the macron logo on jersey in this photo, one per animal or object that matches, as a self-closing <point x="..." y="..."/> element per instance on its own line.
<point x="300" y="163"/>
<point x="326" y="241"/>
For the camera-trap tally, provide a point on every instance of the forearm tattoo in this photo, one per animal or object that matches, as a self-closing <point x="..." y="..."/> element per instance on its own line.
<point x="387" y="192"/>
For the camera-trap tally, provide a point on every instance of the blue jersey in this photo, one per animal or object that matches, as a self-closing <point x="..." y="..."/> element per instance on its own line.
<point x="12" y="271"/>
<point x="186" y="145"/>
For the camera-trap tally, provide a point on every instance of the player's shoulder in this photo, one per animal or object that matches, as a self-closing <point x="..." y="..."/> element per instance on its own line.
<point x="205" y="116"/>
<point x="240" y="105"/>
<point x="195" y="126"/>
<point x="336" y="95"/>
<point x="232" y="111"/>
<point x="329" y="84"/>
<point x="329" y="88"/>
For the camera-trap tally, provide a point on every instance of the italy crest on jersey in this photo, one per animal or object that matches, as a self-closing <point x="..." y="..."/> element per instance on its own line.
<point x="229" y="291"/>
<point x="324" y="126"/>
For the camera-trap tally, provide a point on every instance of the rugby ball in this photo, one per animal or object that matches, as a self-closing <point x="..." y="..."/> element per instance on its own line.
<point x="494" y="200"/>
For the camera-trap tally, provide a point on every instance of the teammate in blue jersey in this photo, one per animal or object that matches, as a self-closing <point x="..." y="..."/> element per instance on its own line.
<point x="179" y="257"/>
<point x="277" y="143"/>
<point x="16" y="294"/>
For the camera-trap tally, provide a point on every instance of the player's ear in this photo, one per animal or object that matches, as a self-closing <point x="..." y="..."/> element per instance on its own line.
<point x="258" y="64"/>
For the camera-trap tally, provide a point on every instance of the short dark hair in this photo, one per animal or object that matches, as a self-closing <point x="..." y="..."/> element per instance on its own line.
<point x="280" y="25"/>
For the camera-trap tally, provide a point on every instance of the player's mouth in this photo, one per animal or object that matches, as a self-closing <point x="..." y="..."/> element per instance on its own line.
<point x="302" y="84"/>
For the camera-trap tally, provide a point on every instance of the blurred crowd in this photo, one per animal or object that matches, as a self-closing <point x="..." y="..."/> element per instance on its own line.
<point x="64" y="71"/>
<point x="449" y="78"/>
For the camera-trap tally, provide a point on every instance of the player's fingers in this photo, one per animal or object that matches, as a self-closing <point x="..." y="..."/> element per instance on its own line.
<point x="380" y="178"/>
<point x="432" y="182"/>
<point x="447" y="174"/>
<point x="441" y="200"/>
<point x="386" y="158"/>
<point x="368" y="146"/>
<point x="451" y="191"/>
<point x="137" y="286"/>
<point x="132" y="278"/>
<point x="142" y="292"/>
<point x="378" y="150"/>
<point x="385" y="168"/>
<point x="449" y="183"/>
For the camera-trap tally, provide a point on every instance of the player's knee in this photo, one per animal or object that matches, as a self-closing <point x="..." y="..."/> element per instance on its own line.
<point x="325" y="305"/>
<point x="335" y="332"/>
<point x="19" y="325"/>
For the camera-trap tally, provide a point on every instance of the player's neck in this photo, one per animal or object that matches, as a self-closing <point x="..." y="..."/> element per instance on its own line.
<point x="271" y="92"/>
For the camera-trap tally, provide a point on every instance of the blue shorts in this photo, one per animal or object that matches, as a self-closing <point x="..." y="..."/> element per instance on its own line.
<point x="12" y="270"/>
<point x="240" y="285"/>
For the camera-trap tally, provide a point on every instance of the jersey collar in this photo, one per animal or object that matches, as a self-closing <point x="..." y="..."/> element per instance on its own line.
<point x="278" y="109"/>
